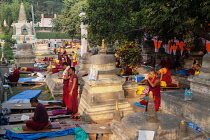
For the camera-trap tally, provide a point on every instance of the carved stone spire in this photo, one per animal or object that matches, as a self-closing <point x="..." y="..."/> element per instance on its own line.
<point x="103" y="50"/>
<point x="117" y="115"/>
<point x="22" y="14"/>
<point x="151" y="113"/>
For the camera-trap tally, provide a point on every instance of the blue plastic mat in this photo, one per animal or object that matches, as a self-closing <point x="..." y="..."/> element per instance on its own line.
<point x="27" y="94"/>
<point x="138" y="104"/>
<point x="78" y="132"/>
<point x="25" y="79"/>
<point x="138" y="79"/>
<point x="14" y="136"/>
<point x="182" y="72"/>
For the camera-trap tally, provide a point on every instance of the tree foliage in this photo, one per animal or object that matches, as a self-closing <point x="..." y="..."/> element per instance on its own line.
<point x="180" y="18"/>
<point x="167" y="19"/>
<point x="69" y="20"/>
<point x="110" y="19"/>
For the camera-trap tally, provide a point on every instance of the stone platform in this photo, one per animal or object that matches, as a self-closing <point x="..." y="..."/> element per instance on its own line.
<point x="165" y="126"/>
<point x="42" y="49"/>
<point x="53" y="83"/>
<point x="197" y="110"/>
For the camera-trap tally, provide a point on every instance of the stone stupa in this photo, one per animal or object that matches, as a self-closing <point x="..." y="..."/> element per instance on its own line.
<point x="25" y="56"/>
<point x="166" y="126"/>
<point x="99" y="96"/>
<point x="22" y="30"/>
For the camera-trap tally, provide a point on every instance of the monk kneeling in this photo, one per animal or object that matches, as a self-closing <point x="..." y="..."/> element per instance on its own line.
<point x="40" y="118"/>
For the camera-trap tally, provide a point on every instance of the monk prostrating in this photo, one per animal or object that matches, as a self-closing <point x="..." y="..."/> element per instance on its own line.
<point x="40" y="118"/>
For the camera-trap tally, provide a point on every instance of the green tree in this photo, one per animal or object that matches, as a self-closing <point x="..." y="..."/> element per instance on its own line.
<point x="69" y="20"/>
<point x="181" y="18"/>
<point x="113" y="20"/>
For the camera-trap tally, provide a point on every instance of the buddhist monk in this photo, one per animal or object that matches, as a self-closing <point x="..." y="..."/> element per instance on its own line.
<point x="154" y="86"/>
<point x="14" y="77"/>
<point x="29" y="69"/>
<point x="65" y="77"/>
<point x="39" y="120"/>
<point x="72" y="106"/>
<point x="165" y="76"/>
<point x="74" y="58"/>
<point x="197" y="69"/>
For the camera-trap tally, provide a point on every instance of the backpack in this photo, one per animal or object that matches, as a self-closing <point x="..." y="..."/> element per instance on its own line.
<point x="3" y="120"/>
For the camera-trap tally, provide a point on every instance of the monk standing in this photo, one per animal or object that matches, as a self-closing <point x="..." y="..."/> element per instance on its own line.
<point x="72" y="106"/>
<point x="14" y="77"/>
<point x="65" y="78"/>
<point x="75" y="58"/>
<point x="40" y="118"/>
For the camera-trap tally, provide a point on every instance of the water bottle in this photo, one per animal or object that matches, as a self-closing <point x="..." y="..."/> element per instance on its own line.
<point x="190" y="94"/>
<point x="186" y="94"/>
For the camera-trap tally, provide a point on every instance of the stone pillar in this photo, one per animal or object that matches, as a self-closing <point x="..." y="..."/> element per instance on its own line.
<point x="84" y="33"/>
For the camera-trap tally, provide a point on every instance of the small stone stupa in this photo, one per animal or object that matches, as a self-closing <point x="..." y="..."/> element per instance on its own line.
<point x="166" y="126"/>
<point x="100" y="95"/>
<point x="3" y="60"/>
<point x="25" y="56"/>
<point x="22" y="30"/>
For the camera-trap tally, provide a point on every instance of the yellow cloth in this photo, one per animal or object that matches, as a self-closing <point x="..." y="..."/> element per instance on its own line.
<point x="122" y="71"/>
<point x="52" y="66"/>
<point x="163" y="70"/>
<point x="23" y="68"/>
<point x="75" y="58"/>
<point x="57" y="61"/>
<point x="197" y="72"/>
<point x="140" y="90"/>
<point x="59" y="50"/>
<point x="163" y="84"/>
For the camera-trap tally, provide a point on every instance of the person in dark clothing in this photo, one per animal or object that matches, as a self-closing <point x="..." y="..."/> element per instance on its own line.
<point x="40" y="118"/>
<point x="14" y="77"/>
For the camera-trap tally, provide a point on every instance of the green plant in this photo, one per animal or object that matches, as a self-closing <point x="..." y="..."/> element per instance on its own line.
<point x="9" y="40"/>
<point x="130" y="55"/>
